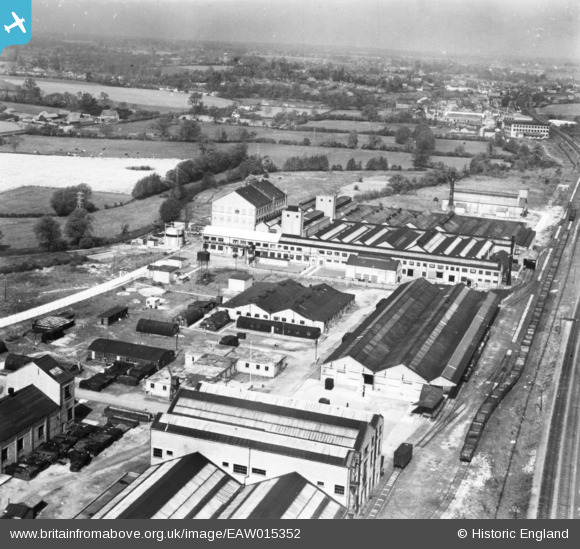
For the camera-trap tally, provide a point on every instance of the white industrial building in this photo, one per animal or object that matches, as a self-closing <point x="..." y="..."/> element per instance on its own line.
<point x="256" y="437"/>
<point x="528" y="130"/>
<point x="371" y="269"/>
<point x="499" y="204"/>
<point x="256" y="362"/>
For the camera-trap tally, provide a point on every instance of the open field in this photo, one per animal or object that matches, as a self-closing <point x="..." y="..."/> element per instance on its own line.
<point x="151" y="99"/>
<point x="569" y="110"/>
<point x="176" y="69"/>
<point x="24" y="200"/>
<point x="105" y="148"/>
<point x="19" y="232"/>
<point x="359" y="126"/>
<point x="25" y="107"/>
<point x="8" y="126"/>
<point x="102" y="174"/>
<point x="279" y="153"/>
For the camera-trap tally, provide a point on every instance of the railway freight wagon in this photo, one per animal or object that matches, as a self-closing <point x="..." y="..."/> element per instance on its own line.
<point x="157" y="327"/>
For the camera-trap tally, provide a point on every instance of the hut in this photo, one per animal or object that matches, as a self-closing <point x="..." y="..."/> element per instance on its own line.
<point x="14" y="362"/>
<point x="157" y="327"/>
<point x="113" y="315"/>
<point x="188" y="317"/>
<point x="216" y="321"/>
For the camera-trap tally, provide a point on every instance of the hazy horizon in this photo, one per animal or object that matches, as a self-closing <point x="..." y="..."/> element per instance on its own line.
<point x="521" y="28"/>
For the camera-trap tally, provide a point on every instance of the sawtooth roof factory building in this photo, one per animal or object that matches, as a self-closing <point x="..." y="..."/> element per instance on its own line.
<point x="256" y="437"/>
<point x="444" y="247"/>
<point x="422" y="334"/>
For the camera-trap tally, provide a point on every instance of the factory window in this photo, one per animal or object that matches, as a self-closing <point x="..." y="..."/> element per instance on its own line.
<point x="464" y="270"/>
<point x="238" y="312"/>
<point x="291" y="248"/>
<point x="283" y="319"/>
<point x="472" y="270"/>
<point x="41" y="432"/>
<point x="256" y="316"/>
<point x="4" y="454"/>
<point x="265" y="316"/>
<point x="338" y="489"/>
<point x="276" y="318"/>
<point x="267" y="368"/>
<point x="431" y="266"/>
<point x="302" y="322"/>
<point x="411" y="263"/>
<point x="257" y="366"/>
<point x="212" y="238"/>
<point x="298" y="249"/>
<point x="212" y="247"/>
<point x="451" y="278"/>
<point x="440" y="267"/>
<point x="256" y="471"/>
<point x="480" y="272"/>
<point x="487" y="273"/>
<point x="410" y="272"/>
<point x="240" y="469"/>
<point x="285" y="247"/>
<point x="225" y="464"/>
<point x="336" y="253"/>
<point x="320" y="483"/>
<point x="152" y="385"/>
<point x="220" y="239"/>
<point x="169" y="453"/>
<point x="157" y="452"/>
<point x="220" y="248"/>
<point x="439" y="275"/>
<point x="237" y="211"/>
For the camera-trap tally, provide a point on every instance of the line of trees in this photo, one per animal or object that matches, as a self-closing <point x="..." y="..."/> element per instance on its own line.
<point x="318" y="163"/>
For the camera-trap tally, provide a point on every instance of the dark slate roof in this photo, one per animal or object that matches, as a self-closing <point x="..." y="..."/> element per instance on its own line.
<point x="52" y="368"/>
<point x="14" y="362"/>
<point x="113" y="311"/>
<point x="373" y="262"/>
<point x="23" y="410"/>
<point x="126" y="349"/>
<point x="3" y="348"/>
<point x="241" y="276"/>
<point x="421" y="326"/>
<point x="319" y="302"/>
<point x="163" y="268"/>
<point x="270" y="190"/>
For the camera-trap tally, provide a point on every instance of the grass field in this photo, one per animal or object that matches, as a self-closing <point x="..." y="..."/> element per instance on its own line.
<point x="349" y="125"/>
<point x="279" y="153"/>
<point x="25" y="200"/>
<point x="569" y="110"/>
<point x="149" y="99"/>
<point x="25" y="107"/>
<point x="176" y="69"/>
<point x="104" y="148"/>
<point x="102" y="174"/>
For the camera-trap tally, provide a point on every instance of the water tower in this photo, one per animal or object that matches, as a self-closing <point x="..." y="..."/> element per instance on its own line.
<point x="174" y="238"/>
<point x="203" y="266"/>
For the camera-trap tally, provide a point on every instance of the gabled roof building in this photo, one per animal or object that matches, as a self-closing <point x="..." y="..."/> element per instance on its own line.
<point x="422" y="334"/>
<point x="257" y="437"/>
<point x="192" y="487"/>
<point x="290" y="302"/>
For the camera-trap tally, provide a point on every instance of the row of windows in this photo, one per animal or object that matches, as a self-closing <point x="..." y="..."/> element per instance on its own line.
<point x="40" y="433"/>
<point x="152" y="386"/>
<point x="267" y="368"/>
<point x="283" y="319"/>
<point x="158" y="453"/>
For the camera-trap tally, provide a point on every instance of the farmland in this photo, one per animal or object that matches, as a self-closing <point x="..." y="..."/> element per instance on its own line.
<point x="18" y="200"/>
<point x="105" y="148"/>
<point x="568" y="110"/>
<point x="102" y="174"/>
<point x="148" y="99"/>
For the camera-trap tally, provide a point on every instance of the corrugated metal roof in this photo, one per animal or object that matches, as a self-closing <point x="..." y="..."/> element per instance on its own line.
<point x="22" y="410"/>
<point x="421" y="326"/>
<point x="192" y="487"/>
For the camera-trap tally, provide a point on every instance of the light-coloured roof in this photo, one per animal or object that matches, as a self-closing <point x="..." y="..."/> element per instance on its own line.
<point x="245" y="353"/>
<point x="306" y="430"/>
<point x="241" y="234"/>
<point x="195" y="488"/>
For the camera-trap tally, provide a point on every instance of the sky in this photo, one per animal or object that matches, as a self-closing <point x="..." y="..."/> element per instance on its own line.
<point x="529" y="28"/>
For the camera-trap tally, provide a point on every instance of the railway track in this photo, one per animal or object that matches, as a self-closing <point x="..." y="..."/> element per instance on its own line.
<point x="514" y="364"/>
<point x="383" y="497"/>
<point x="452" y="490"/>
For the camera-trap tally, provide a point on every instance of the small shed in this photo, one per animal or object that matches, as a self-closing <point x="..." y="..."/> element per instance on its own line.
<point x="152" y="302"/>
<point x="157" y="327"/>
<point x="188" y="317"/>
<point x="162" y="273"/>
<point x="240" y="282"/>
<point x="113" y="315"/>
<point x="430" y="401"/>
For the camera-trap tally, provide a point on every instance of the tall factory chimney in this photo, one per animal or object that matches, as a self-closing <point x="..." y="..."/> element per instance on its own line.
<point x="451" y="205"/>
